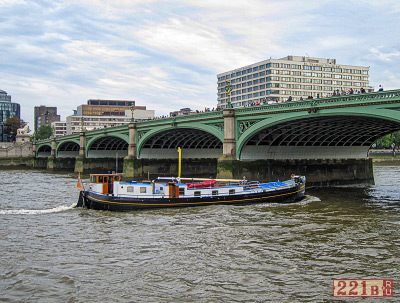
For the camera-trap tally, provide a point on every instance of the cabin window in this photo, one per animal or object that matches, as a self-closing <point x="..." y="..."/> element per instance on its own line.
<point x="105" y="179"/>
<point x="143" y="190"/>
<point x="94" y="179"/>
<point x="181" y="191"/>
<point x="100" y="179"/>
<point x="129" y="189"/>
<point x="116" y="178"/>
<point x="197" y="193"/>
<point x="214" y="192"/>
<point x="231" y="191"/>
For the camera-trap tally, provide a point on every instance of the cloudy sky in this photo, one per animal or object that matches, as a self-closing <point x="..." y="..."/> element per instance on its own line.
<point x="166" y="54"/>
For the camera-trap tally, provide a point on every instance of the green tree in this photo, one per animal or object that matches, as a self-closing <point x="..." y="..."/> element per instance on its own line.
<point x="44" y="132"/>
<point x="386" y="141"/>
<point x="11" y="126"/>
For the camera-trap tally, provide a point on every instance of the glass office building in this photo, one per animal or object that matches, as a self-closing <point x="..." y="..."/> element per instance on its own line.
<point x="7" y="110"/>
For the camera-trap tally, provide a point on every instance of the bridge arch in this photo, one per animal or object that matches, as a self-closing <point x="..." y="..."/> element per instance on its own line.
<point x="68" y="149"/>
<point x="195" y="142"/>
<point x="43" y="151"/>
<point x="315" y="136"/>
<point x="107" y="146"/>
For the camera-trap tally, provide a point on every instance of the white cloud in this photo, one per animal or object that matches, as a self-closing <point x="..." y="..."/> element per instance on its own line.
<point x="99" y="51"/>
<point x="382" y="56"/>
<point x="166" y="54"/>
<point x="194" y="43"/>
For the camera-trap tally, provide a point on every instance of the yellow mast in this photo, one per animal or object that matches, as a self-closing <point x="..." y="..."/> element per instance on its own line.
<point x="180" y="162"/>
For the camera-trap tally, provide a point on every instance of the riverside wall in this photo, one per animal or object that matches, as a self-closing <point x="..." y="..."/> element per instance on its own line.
<point x="318" y="172"/>
<point x="16" y="150"/>
<point x="329" y="172"/>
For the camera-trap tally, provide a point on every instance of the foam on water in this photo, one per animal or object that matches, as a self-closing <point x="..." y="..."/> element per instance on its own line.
<point x="309" y="199"/>
<point x="36" y="211"/>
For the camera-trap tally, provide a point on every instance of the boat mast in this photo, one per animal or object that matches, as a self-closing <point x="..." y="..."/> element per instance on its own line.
<point x="180" y="162"/>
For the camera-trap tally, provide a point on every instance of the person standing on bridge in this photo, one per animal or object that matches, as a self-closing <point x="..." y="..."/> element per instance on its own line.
<point x="380" y="88"/>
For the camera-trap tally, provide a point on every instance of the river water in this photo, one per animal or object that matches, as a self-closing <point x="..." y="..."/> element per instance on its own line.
<point x="51" y="252"/>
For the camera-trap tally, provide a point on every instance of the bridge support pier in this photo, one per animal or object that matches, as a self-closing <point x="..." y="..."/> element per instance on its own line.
<point x="131" y="163"/>
<point x="132" y="168"/>
<point x="80" y="160"/>
<point x="227" y="164"/>
<point x="52" y="157"/>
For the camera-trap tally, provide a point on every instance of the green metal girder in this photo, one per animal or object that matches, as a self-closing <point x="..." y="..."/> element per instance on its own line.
<point x="251" y="120"/>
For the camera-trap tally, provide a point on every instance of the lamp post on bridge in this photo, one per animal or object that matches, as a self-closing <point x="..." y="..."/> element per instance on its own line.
<point x="228" y="88"/>
<point x="132" y="110"/>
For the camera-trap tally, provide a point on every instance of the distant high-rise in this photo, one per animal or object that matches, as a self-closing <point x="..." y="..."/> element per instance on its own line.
<point x="7" y="110"/>
<point x="106" y="107"/>
<point x="45" y="115"/>
<point x="292" y="76"/>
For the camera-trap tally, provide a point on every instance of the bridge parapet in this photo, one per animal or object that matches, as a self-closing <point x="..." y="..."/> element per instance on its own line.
<point x="323" y="102"/>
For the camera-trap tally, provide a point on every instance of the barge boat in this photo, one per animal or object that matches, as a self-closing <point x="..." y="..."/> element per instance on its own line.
<point x="109" y="192"/>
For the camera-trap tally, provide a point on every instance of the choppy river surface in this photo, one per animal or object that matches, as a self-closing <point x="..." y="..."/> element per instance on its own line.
<point x="50" y="252"/>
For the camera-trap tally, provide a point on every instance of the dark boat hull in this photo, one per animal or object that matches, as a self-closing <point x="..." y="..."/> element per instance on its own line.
<point x="96" y="201"/>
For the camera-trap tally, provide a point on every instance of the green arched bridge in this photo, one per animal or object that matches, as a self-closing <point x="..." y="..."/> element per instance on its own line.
<point x="334" y="128"/>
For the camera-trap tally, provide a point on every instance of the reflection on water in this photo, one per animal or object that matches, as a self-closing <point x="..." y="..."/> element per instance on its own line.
<point x="256" y="253"/>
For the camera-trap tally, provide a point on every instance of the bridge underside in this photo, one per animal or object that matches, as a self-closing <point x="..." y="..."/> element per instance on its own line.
<point x="68" y="150"/>
<point x="339" y="137"/>
<point x="193" y="142"/>
<point x="44" y="151"/>
<point x="108" y="147"/>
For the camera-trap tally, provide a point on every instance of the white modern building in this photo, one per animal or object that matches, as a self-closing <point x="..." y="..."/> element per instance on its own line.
<point x="59" y="128"/>
<point x="76" y="123"/>
<point x="292" y="76"/>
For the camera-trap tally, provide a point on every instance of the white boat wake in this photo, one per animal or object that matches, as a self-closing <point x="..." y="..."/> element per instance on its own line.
<point x="36" y="211"/>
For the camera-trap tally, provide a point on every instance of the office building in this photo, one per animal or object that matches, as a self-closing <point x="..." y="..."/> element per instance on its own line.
<point x="77" y="123"/>
<point x="106" y="107"/>
<point x="45" y="115"/>
<point x="59" y="128"/>
<point x="8" y="109"/>
<point x="292" y="76"/>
